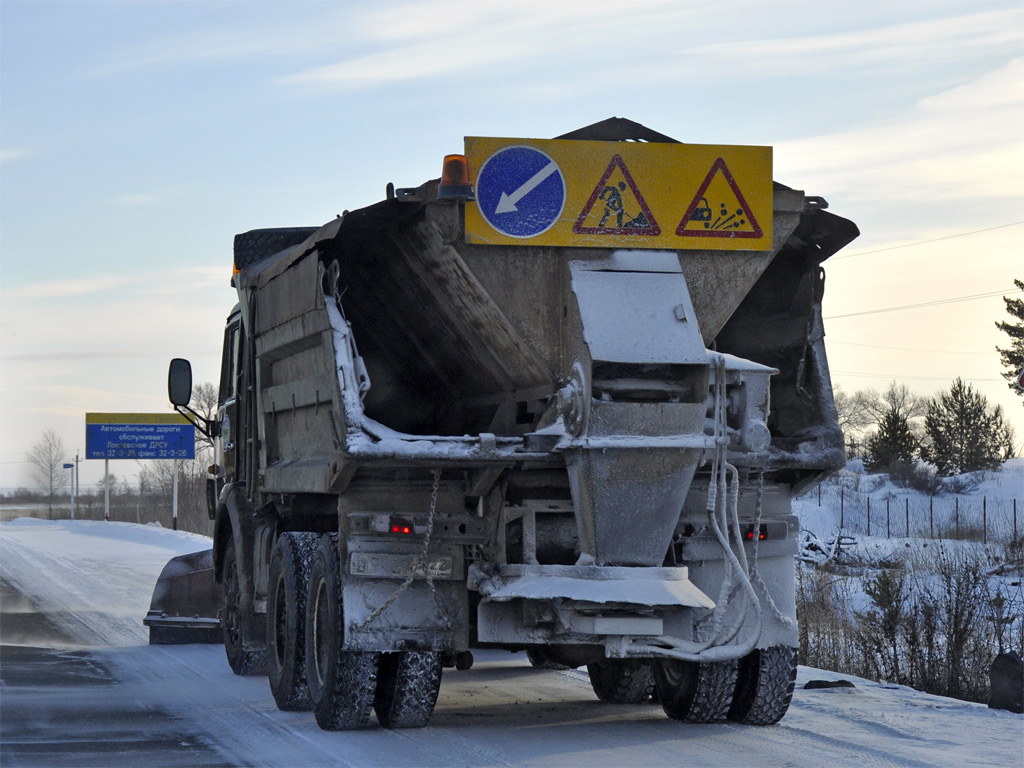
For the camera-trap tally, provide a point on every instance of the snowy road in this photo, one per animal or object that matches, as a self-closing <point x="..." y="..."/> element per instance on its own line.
<point x="107" y="698"/>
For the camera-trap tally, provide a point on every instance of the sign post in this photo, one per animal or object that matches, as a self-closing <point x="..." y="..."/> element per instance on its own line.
<point x="174" y="498"/>
<point x="139" y="436"/>
<point x="71" y="490"/>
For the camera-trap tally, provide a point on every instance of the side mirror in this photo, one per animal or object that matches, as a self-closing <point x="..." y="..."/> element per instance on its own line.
<point x="179" y="382"/>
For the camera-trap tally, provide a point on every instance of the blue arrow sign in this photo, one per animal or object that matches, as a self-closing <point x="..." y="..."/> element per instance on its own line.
<point x="520" y="191"/>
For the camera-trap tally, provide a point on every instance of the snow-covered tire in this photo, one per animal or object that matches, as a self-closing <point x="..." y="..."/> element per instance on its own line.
<point x="695" y="692"/>
<point x="622" y="681"/>
<point x="342" y="684"/>
<point x="540" y="659"/>
<point x="244" y="658"/>
<point x="286" y="620"/>
<point x="407" y="686"/>
<point x="764" y="687"/>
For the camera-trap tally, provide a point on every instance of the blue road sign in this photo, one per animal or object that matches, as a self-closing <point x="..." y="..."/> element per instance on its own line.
<point x="520" y="191"/>
<point x="140" y="441"/>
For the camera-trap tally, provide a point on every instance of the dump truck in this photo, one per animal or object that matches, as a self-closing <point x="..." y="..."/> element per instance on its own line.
<point x="557" y="401"/>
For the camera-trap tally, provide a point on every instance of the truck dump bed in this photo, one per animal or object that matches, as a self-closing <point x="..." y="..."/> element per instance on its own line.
<point x="462" y="339"/>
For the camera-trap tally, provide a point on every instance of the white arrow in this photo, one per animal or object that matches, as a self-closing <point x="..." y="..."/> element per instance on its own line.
<point x="507" y="203"/>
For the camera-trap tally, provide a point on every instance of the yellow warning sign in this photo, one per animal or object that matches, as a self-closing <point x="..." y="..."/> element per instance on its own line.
<point x="719" y="209"/>
<point x="619" y="194"/>
<point x="616" y="206"/>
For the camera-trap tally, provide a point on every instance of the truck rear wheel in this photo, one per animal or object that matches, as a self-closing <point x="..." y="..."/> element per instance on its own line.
<point x="407" y="686"/>
<point x="243" y="657"/>
<point x="764" y="688"/>
<point x="622" y="681"/>
<point x="695" y="692"/>
<point x="286" y="620"/>
<point x="341" y="683"/>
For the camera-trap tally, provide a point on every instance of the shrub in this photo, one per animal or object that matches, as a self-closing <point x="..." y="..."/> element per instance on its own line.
<point x="917" y="477"/>
<point x="961" y="484"/>
<point x="936" y="618"/>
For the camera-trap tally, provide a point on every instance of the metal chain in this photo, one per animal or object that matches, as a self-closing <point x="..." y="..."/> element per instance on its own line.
<point x="421" y="561"/>
<point x="426" y="545"/>
<point x="755" y="576"/>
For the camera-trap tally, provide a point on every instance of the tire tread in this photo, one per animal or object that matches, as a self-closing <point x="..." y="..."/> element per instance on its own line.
<point x="622" y="681"/>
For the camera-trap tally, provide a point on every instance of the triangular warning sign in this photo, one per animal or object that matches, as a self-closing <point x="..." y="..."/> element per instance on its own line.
<point x="617" y="214"/>
<point x="719" y="208"/>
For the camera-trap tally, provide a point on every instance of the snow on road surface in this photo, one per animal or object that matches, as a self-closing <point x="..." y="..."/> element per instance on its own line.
<point x="95" y="579"/>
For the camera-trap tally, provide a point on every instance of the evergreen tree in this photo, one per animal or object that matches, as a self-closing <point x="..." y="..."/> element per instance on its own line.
<point x="1013" y="357"/>
<point x="893" y="444"/>
<point x="964" y="434"/>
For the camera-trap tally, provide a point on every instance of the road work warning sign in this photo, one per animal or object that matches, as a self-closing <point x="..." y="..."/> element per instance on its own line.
<point x="589" y="194"/>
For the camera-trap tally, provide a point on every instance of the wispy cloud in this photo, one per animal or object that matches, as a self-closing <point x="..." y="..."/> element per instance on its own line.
<point x="964" y="143"/>
<point x="216" y="45"/>
<point x="413" y="41"/>
<point x="882" y="48"/>
<point x="136" y="199"/>
<point x="13" y="155"/>
<point x="53" y="289"/>
<point x="75" y="401"/>
<point x="144" y="284"/>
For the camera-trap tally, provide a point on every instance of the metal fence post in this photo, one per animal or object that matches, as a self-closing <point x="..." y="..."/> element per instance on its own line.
<point x="888" y="527"/>
<point x="1014" y="519"/>
<point x="869" y="516"/>
<point x="931" y="516"/>
<point x="956" y="516"/>
<point x="842" y="508"/>
<point x="984" y="519"/>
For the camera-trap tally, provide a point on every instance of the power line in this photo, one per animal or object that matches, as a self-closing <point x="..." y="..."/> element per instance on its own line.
<point x="898" y="377"/>
<point x="909" y="349"/>
<point x="925" y="242"/>
<point x="935" y="303"/>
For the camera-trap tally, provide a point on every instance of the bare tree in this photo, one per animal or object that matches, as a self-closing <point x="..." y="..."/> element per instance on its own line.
<point x="204" y="402"/>
<point x="854" y="415"/>
<point x="157" y="477"/>
<point x="47" y="458"/>
<point x="897" y="399"/>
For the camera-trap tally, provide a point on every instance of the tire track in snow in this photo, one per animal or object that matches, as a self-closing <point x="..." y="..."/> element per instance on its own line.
<point x="71" y="594"/>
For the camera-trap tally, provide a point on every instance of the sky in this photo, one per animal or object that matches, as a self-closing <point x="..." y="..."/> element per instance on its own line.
<point x="137" y="138"/>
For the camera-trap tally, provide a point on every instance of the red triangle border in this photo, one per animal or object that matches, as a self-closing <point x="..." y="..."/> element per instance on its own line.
<point x="719" y="165"/>
<point x="652" y="231"/>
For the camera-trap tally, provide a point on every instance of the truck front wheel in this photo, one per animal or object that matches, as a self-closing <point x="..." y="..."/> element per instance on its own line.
<point x="286" y="620"/>
<point x="243" y="657"/>
<point x="341" y="683"/>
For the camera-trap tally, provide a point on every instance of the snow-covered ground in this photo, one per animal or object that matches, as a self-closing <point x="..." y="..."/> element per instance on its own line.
<point x="997" y="489"/>
<point x="96" y="578"/>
